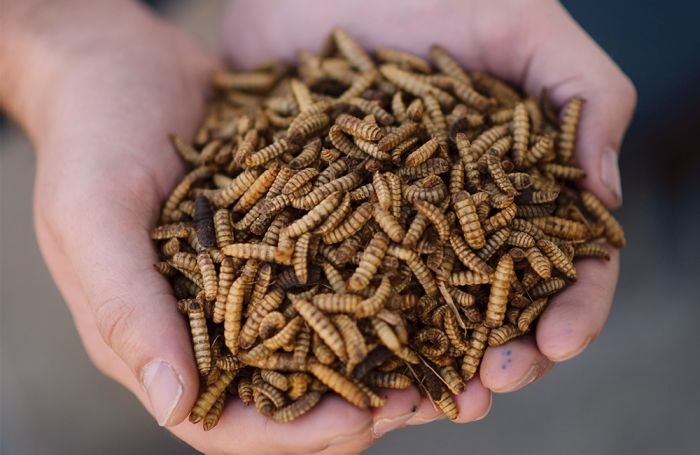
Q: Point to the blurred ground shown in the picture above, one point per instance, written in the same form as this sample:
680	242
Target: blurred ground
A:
633	391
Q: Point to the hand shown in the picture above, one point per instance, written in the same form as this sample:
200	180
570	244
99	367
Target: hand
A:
102	100
534	44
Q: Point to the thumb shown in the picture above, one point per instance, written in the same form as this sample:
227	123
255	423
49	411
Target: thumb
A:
131	304
567	62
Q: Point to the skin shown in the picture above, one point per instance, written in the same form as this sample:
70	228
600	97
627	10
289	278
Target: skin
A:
98	86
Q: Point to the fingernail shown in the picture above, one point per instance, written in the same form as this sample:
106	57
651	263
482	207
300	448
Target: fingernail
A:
383	426
164	389
530	375
575	352
422	420
610	173
488	410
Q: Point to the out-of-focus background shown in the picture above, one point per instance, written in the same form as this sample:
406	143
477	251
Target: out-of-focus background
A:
635	390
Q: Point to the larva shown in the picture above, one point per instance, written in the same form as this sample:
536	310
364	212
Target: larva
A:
371	259
200	337
498	296
323	326
569	125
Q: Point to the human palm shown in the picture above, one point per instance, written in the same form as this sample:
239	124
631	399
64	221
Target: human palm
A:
105	166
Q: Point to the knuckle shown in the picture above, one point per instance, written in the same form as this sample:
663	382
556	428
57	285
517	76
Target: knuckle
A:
114	319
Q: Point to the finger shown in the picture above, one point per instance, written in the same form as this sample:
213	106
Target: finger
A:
572	64
131	304
426	412
513	365
400	407
576	316
474	403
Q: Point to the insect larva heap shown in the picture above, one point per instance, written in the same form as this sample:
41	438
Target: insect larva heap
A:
365	221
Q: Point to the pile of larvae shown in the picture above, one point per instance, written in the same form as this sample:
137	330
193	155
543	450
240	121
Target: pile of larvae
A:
364	221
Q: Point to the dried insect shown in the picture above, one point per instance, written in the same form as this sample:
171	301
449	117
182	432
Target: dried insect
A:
340	384
569	125
503	334
498	297
371	259
200	337
323	326
613	231
466	215
560	261
208	398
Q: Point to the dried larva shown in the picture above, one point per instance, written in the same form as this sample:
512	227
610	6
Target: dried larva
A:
351	225
500	220
170	231
560	261
465	210
180	191
353	338
530	313
352	51
389	224
596	250
371	259
472	358
436	218
547	287
235	189
257	190
200	337
297	408
569	125
503	334
248	333
498	296
222	228
208	398
392	380
204	221
234	311
214	414
521	133
561	227
323	326
613	231
564	172
359	128
340	384
414	85
418	268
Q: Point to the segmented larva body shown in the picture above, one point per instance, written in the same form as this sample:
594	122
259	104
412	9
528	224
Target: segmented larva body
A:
465	209
569	125
472	358
521	133
340	384
322	325
414	85
354	340
200	337
389	224
503	334
560	260
204	222
613	231
436	217
208	271
547	287
351	225
298	408
359	128
208	398
498	296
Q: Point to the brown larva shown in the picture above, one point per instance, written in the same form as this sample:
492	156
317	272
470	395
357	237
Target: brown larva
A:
208	398
371	259
569	125
498	296
613	231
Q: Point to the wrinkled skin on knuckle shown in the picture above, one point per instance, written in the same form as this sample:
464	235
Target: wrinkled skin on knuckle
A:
114	320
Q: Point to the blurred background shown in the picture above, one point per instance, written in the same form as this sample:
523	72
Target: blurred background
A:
635	390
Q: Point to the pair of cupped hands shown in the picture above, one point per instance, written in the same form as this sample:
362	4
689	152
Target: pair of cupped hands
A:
98	86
